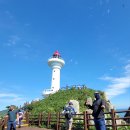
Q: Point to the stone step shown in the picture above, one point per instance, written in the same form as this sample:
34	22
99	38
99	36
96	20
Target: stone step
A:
23	120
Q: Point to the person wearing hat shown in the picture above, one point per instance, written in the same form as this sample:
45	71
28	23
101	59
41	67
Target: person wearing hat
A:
69	111
98	107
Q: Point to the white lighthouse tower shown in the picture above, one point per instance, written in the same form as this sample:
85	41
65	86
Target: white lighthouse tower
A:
56	63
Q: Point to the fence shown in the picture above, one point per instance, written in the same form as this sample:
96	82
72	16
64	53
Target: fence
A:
83	121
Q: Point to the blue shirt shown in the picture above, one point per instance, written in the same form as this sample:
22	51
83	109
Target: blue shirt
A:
12	115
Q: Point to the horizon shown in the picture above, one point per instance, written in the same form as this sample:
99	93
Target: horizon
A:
91	36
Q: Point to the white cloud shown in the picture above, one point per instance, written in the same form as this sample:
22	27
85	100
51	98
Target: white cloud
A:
72	61
127	69
8	95
13	40
118	85
27	45
7	99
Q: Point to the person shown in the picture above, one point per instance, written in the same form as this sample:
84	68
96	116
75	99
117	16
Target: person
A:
12	116
68	112
21	114
98	107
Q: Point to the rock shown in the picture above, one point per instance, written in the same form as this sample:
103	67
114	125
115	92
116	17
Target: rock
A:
75	105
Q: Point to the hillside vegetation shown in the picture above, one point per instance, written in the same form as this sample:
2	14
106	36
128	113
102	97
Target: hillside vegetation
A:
56	102
3	113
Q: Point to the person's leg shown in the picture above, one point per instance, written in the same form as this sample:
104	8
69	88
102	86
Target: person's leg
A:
102	124
66	124
8	125
20	122
96	122
14	125
70	124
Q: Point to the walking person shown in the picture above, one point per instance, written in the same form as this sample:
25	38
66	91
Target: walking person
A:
69	112
12	116
20	116
98	107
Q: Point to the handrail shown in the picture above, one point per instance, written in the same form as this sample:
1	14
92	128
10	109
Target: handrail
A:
57	119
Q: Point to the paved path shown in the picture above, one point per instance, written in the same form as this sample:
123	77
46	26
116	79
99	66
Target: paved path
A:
32	128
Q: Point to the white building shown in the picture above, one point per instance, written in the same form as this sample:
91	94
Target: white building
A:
56	63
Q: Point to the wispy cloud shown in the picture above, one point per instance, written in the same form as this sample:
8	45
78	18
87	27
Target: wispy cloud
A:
18	48
9	14
13	40
118	85
11	99
72	61
27	45
10	95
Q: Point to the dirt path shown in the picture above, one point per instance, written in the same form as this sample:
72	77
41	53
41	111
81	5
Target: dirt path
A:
32	128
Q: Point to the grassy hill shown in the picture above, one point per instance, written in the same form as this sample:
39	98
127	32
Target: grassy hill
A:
3	113
56	102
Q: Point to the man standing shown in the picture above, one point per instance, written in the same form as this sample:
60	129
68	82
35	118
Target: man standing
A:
69	112
98	107
12	118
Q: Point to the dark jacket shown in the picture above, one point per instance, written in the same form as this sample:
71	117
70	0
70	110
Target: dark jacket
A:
98	111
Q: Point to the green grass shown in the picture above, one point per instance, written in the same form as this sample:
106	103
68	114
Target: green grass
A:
56	102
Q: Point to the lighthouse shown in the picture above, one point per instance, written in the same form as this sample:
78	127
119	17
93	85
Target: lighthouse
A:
55	63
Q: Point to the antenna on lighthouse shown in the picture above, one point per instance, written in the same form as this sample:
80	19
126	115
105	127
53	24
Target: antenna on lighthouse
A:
55	63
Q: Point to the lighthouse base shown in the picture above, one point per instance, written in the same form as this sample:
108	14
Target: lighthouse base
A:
48	92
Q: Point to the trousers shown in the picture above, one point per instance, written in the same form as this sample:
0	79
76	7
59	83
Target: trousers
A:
10	124
100	124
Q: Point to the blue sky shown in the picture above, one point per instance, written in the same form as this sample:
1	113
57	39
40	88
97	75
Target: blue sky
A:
93	37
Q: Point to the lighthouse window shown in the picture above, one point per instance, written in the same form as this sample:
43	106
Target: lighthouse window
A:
54	70
53	78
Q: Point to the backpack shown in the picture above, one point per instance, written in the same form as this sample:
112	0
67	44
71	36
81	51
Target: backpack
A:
69	111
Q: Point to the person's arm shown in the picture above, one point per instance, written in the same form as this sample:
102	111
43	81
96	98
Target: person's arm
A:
17	116
87	104
103	104
90	107
63	112
74	112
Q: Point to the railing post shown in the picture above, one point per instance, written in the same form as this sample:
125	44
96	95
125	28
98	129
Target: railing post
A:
85	121
113	119
48	120
42	118
3	123
27	117
39	119
58	121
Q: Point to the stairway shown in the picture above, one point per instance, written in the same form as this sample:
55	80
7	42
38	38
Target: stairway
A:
24	123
